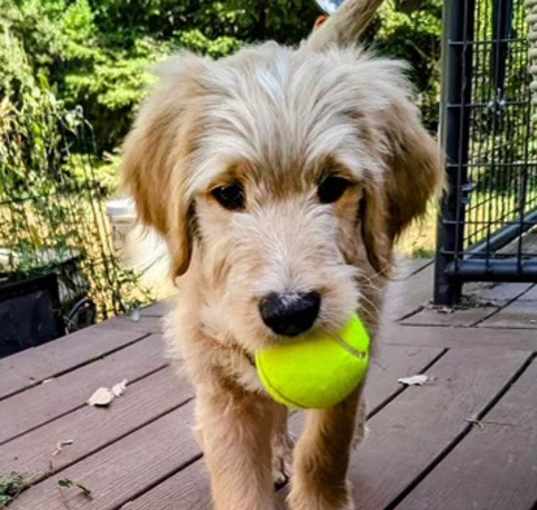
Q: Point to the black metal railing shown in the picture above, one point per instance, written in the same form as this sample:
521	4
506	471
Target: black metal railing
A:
487	229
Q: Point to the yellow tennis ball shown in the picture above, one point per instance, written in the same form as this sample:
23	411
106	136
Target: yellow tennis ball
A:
318	370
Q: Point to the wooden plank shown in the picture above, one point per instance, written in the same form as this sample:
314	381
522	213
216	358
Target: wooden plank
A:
433	336
159	309
406	267
495	293
63	394
178	492
522	313
494	467
481	301
432	316
191	487
122	470
31	452
92	428
407	296
416	427
389	364
32	366
152	324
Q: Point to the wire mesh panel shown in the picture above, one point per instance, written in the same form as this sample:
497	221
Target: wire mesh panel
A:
488	222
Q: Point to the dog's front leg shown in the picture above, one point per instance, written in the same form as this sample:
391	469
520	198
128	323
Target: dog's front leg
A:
282	447
321	458
236	429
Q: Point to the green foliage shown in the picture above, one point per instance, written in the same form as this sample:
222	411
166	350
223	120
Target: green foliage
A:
96	53
66	63
11	485
51	184
414	34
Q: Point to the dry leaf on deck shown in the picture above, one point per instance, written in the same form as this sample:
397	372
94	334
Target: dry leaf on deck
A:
60	445
101	397
119	388
414	380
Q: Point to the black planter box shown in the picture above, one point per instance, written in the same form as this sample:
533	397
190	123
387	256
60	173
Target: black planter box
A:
29	313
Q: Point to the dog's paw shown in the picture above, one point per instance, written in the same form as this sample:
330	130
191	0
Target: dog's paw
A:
282	459
310	496
317	502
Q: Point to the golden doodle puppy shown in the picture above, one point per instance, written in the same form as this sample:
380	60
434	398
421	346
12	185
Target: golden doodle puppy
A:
280	178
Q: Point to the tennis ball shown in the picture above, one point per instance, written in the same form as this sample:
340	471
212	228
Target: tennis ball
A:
318	370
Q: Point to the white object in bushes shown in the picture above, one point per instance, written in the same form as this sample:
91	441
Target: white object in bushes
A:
122	215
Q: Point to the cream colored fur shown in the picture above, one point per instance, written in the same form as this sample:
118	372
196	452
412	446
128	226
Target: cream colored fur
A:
277	120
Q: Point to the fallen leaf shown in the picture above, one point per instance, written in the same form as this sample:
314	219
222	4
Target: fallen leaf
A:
67	484
414	380
60	445
476	422
119	388
101	398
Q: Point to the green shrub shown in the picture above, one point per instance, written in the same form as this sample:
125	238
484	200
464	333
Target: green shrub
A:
96	53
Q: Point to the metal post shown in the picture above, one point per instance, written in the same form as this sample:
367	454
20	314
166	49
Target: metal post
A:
455	135
502	15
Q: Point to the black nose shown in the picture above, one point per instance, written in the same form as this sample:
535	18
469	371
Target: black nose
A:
290	314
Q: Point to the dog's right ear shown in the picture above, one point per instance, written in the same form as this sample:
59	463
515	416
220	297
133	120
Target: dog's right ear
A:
155	167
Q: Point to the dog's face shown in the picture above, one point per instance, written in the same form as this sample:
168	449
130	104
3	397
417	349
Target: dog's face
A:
280	178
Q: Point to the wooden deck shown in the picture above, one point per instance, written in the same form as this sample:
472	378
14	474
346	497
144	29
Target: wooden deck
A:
465	440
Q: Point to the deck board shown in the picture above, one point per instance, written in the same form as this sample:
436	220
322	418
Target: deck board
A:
452	318
142	402
484	300
122	470
459	338
409	433
494	467
191	486
63	394
391	363
408	295
522	313
30	367
421	453
158	310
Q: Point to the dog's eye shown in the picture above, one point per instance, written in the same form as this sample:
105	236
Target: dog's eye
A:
332	188
230	197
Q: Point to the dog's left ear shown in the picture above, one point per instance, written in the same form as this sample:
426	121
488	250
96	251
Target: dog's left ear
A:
156	154
413	161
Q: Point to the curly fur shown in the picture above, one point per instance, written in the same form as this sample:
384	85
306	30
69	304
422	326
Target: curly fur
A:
277	119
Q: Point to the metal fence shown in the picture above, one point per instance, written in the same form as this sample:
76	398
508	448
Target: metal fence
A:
488	221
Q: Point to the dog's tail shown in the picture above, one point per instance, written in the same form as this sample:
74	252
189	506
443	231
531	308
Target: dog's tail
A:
345	26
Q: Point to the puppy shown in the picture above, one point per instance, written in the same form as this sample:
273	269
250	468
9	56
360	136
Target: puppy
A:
280	178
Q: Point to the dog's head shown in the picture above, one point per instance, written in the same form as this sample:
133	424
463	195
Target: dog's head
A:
281	178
